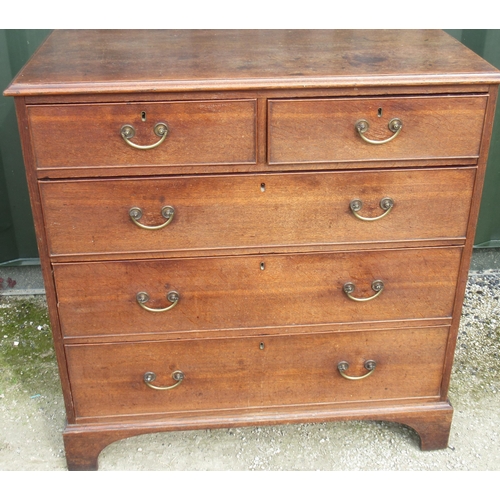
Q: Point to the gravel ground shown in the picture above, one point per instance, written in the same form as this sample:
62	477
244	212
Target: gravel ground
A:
32	412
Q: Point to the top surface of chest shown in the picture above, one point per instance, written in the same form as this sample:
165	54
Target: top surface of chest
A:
115	61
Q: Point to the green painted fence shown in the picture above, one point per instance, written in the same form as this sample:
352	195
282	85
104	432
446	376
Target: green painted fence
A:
486	43
17	236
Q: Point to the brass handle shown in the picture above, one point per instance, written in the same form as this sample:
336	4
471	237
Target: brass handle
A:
149	377
343	366
395	126
386	204
167	212
128	131
377	286
143	297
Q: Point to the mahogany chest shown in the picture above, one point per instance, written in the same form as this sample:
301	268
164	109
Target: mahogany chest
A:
253	227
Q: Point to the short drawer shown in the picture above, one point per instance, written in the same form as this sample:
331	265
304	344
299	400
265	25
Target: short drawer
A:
324	130
231	212
108	380
199	132
245	292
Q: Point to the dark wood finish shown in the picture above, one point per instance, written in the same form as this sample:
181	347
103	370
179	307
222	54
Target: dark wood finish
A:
235	293
254	211
262	94
257	107
107	379
322	130
431	421
44	255
198	132
161	170
202	169
97	61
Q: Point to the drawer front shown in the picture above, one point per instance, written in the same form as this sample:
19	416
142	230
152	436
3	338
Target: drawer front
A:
323	130
206	132
254	291
93	217
108	379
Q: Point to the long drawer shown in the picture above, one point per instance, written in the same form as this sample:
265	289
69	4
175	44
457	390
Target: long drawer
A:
199	132
244	292
324	130
223	212
108	379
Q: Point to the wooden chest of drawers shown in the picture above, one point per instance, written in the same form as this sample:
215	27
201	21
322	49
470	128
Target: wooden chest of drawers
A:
253	227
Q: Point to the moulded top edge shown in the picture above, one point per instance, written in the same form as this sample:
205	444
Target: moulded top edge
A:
248	84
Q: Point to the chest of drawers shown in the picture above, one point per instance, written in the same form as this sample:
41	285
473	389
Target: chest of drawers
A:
253	227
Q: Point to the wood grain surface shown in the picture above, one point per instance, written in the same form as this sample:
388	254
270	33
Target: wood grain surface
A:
255	291
261	161
96	61
234	213
107	380
198	133
323	130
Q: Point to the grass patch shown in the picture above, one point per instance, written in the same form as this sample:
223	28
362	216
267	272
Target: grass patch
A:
27	358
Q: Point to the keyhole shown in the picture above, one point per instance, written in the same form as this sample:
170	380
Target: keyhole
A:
263	187
262	266
379	112
261	346
143	116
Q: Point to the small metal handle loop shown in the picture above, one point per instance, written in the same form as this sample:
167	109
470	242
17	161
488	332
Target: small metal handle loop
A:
386	204
149	377
143	297
167	212
369	365
377	286
128	131
395	126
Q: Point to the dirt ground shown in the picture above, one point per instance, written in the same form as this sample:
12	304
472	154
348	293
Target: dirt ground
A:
32	412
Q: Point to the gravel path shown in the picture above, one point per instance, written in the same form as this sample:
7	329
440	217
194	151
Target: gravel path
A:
32	412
